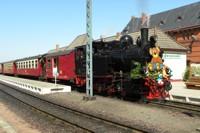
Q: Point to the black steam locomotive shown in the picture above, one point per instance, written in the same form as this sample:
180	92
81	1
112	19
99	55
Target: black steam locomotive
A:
123	68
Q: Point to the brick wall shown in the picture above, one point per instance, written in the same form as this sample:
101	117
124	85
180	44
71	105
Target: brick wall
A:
189	38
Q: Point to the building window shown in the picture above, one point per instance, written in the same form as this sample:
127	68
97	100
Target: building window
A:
162	22
179	18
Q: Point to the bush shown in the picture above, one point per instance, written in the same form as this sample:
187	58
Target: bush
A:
186	74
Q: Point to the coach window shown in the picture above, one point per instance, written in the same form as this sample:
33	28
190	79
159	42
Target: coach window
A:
32	64
36	63
49	63
27	64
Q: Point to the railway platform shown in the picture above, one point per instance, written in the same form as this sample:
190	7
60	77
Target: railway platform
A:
181	93
35	86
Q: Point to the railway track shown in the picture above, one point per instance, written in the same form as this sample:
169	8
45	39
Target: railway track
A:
87	122
187	108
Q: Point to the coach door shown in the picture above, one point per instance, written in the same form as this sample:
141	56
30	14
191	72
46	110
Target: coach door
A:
51	63
55	63
43	64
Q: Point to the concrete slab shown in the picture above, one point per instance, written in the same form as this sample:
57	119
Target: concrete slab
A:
35	86
180	92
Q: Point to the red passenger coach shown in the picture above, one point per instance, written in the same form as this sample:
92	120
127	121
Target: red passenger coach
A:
65	63
9	68
31	66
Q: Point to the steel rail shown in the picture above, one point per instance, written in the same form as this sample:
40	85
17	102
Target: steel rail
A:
84	115
183	106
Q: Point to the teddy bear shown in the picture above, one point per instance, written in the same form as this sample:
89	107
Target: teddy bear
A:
154	52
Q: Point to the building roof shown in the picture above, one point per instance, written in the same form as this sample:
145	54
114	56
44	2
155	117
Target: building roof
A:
163	40
78	41
178	18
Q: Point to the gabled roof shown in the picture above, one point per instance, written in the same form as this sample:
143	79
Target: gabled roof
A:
182	17
163	40
78	41
56	50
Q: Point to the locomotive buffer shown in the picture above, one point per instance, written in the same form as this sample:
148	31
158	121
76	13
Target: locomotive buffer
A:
89	62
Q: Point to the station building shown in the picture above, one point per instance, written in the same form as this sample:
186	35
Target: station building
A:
182	24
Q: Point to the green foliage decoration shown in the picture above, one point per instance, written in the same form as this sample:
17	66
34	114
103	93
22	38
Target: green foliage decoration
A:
136	71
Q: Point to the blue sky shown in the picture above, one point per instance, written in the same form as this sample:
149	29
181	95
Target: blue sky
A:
31	27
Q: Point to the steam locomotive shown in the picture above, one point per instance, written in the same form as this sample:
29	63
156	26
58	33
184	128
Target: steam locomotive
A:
120	67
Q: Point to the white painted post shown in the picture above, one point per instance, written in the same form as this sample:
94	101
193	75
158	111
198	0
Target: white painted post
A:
55	74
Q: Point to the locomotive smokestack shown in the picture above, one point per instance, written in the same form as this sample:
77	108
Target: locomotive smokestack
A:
144	36
144	29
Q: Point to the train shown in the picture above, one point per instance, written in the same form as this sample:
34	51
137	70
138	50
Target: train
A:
122	68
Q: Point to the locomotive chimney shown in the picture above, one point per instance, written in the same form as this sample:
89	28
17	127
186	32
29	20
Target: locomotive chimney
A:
144	29
144	35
